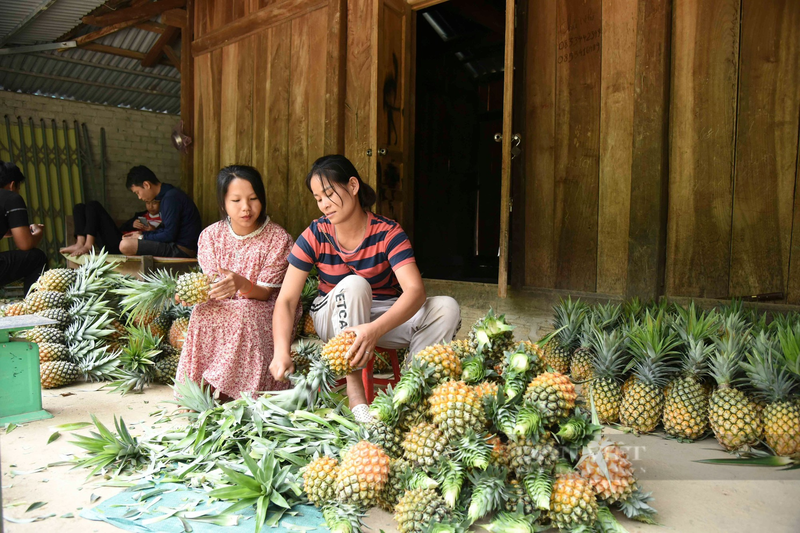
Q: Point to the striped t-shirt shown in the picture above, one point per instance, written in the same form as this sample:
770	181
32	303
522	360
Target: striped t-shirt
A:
385	249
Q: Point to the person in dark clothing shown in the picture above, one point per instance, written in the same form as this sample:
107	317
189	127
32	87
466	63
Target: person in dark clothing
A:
28	262
180	220
94	227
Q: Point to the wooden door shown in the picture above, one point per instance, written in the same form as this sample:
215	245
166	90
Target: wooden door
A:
392	153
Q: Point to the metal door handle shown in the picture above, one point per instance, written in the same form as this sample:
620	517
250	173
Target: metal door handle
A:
498	137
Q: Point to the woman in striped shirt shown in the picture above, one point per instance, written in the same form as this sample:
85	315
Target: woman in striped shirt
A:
369	280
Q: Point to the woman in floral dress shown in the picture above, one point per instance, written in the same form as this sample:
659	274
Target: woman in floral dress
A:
229	341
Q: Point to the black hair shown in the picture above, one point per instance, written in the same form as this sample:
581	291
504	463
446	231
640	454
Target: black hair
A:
243	172
10	172
339	169
138	175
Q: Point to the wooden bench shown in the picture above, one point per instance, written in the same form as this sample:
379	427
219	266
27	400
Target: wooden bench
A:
136	265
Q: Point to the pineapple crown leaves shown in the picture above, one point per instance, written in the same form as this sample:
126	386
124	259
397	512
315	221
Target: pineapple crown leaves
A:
539	486
473	368
607	522
729	351
196	397
518	360
153	293
488	492
472	450
90	328
528	423
95	362
692	324
106	448
609	354
569	319
767	373
382	407
342	517
130	380
141	350
415	383
608	315
789	340
489	327
307	389
517	522
450	474
514	383
91	305
696	357
632	309
637	507
653	348
578	431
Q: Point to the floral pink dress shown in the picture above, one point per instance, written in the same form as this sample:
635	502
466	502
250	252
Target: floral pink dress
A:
229	342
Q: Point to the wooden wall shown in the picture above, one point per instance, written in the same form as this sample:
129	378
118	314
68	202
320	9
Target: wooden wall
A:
661	147
267	94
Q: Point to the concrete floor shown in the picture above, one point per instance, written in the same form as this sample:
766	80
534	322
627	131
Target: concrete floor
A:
690	497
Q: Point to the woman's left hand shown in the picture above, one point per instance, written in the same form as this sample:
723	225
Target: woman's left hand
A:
227	286
363	348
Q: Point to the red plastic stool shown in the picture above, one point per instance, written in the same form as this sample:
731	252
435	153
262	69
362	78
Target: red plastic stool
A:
370	380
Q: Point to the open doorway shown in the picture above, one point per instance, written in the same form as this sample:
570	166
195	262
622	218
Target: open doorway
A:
457	162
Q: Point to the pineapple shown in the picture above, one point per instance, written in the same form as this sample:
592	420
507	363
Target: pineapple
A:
193	288
57	374
319	480
160	326
652	348
499	455
301	357
528	455
387	437
455	408
177	332
310	291
138	361
363	472
418	509
396	486
608	365
95	362
731	414
572	503
443	359
776	385
553	394
486	388
608	316
488	492
49	351
423	444
413	414
686	405
166	365
307	326
16	309
41	334
535	355
41	300
518	499
580	366
59	315
145	318
335	353
57	279
493	336
120	331
569	319
462	348
607	468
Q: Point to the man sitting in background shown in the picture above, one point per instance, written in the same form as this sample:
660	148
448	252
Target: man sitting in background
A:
180	220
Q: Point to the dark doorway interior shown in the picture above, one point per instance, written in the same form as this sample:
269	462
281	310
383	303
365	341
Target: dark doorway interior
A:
459	108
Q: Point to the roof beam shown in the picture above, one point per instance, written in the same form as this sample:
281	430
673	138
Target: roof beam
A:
105	49
108	7
33	15
62	58
175	17
154	54
155	27
108	30
147	11
91	83
173	57
36	48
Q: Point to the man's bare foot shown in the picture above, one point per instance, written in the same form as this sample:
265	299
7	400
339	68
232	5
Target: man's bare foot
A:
69	249
83	250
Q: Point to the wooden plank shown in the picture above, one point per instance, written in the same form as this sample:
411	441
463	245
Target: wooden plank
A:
539	139
649	165
108	30
230	95
261	114
268	17
149	25
244	101
187	99
147	11
766	147
298	123
422	4
793	291
358	88
154	54
317	102
508	116
279	57
208	75
173	58
178	18
335	77
618	58
410	127
705	59
577	143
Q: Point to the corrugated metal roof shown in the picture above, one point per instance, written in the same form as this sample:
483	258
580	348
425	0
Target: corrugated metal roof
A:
125	84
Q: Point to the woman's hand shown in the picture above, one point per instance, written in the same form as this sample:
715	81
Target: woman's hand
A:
281	366
227	286
144	227
363	348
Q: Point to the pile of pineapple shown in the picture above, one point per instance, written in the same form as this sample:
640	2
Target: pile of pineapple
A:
725	370
109	327
477	429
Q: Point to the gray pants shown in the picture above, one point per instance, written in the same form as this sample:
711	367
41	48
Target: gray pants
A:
350	304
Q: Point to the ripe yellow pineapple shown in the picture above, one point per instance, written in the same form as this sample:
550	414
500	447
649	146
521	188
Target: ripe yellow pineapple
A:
41	300
177	332
455	408
486	388
193	288
41	334
443	359
335	353
499	452
16	309
608	366
145	318
554	395
418	509
57	374
363	472
462	348
423	444
569	319
613	482
57	279
50	351
572	503
319	480
307	326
